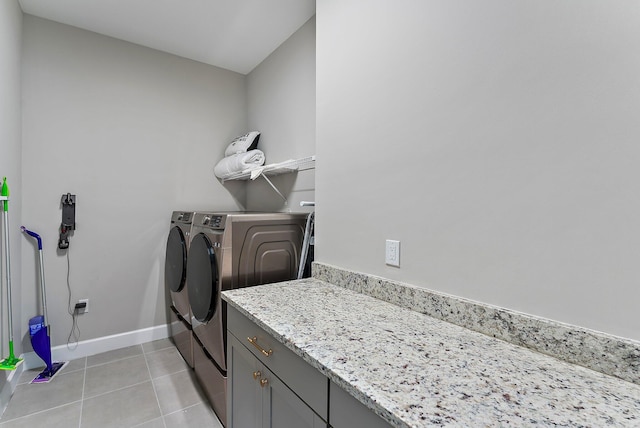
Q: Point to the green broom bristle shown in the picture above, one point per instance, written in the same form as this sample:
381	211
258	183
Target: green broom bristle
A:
11	362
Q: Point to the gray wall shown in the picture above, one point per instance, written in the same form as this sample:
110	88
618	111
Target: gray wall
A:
497	140
10	159
281	95
134	133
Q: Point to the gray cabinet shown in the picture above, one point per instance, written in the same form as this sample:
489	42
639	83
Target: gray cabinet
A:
244	393
262	378
271	387
347	412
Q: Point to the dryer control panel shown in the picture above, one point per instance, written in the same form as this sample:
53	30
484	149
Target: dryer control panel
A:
213	221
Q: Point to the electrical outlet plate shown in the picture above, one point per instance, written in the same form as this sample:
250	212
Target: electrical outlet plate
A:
86	308
392	253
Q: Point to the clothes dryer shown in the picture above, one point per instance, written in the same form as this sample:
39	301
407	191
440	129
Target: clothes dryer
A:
175	279
227	251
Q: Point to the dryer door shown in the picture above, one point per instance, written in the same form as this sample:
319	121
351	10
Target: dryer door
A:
175	266
202	269
207	309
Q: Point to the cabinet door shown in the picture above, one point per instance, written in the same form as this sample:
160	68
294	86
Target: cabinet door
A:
258	399
284	409
307	382
243	388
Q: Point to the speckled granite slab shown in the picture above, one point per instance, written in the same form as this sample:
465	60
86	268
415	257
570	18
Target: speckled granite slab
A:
607	354
417	371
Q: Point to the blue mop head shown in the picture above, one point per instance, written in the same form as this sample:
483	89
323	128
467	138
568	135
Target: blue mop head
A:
47	374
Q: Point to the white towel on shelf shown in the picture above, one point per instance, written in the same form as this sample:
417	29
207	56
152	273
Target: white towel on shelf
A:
243	143
240	162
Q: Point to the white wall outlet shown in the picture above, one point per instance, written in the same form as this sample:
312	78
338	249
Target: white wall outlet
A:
392	253
85	309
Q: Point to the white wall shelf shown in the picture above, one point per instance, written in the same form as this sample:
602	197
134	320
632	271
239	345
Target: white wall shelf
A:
285	167
265	171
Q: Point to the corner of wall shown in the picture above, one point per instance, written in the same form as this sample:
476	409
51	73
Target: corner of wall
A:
10	162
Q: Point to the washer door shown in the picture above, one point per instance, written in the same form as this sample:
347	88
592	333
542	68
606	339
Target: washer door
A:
175	265
202	269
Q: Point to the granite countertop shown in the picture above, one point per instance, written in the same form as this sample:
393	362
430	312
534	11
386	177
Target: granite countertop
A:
416	371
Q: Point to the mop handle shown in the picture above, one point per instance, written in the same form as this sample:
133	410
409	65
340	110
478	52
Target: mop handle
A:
4	191
35	235
43	291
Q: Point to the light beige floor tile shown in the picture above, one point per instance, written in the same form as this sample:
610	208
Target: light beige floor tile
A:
28	375
116	375
77	364
116	354
157	345
156	423
178	391
64	416
122	408
199	415
29	398
165	361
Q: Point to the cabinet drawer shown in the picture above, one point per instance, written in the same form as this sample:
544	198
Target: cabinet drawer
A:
308	383
347	412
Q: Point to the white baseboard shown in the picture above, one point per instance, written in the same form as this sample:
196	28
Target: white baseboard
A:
9	386
89	347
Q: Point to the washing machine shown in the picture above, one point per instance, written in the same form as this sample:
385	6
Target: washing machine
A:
227	251
175	279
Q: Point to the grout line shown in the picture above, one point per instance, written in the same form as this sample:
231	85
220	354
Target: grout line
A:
206	405
153	385
117	389
146	422
4	422
151	379
170	374
38	370
83	394
189	407
158	350
113	361
84	381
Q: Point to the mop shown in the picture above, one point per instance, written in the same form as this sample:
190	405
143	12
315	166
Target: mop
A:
39	329
11	362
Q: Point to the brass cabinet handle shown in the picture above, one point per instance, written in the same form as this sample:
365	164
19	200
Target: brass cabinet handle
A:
263	383
254	341
257	374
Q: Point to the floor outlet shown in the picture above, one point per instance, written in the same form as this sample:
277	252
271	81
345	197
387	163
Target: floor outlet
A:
392	253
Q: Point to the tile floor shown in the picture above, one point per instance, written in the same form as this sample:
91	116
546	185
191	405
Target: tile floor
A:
146	386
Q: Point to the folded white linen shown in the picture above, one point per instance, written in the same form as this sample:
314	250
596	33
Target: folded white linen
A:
240	162
243	143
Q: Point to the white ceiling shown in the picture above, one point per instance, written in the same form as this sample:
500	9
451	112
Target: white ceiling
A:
232	34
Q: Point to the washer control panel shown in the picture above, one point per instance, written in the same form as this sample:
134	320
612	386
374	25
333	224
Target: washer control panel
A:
181	217
213	221
186	217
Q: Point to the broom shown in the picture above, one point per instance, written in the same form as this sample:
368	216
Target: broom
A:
11	362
